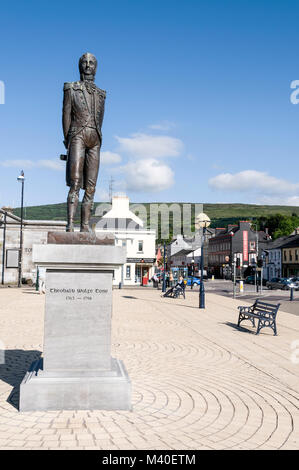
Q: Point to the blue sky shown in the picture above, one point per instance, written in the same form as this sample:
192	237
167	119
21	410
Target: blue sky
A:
198	98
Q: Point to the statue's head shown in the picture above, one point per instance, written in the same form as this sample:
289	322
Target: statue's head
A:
87	66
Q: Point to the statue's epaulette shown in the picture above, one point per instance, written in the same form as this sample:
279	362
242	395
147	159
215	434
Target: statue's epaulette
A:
101	92
69	85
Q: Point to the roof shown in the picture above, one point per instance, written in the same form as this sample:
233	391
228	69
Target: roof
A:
232	228
291	243
182	252
108	223
275	244
287	241
120	210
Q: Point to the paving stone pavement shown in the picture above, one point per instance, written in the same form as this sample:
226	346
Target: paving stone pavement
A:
198	381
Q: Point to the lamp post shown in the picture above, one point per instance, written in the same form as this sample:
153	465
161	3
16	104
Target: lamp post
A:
257	255
3	247
164	268
192	269
202	222
21	178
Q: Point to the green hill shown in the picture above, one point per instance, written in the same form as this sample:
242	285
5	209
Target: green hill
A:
220	214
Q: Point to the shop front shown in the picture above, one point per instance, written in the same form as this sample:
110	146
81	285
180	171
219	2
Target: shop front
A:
143	269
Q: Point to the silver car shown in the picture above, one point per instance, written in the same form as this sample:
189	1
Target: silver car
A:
283	283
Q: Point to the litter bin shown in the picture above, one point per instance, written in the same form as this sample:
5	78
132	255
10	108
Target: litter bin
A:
144	281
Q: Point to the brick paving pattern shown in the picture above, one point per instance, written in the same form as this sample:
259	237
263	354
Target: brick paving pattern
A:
198	381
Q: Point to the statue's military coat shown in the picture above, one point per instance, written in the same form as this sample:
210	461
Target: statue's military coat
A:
77	115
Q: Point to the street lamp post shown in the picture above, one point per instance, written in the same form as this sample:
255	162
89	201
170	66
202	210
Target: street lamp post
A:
192	270
257	255
203	222
164	268
3	247
21	178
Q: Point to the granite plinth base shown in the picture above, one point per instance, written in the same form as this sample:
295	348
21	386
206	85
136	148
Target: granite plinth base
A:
66	390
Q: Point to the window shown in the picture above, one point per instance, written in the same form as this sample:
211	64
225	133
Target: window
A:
285	255
296	255
140	246
137	274
128	272
290	256
252	245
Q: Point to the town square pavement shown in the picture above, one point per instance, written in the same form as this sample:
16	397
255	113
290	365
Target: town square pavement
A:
198	381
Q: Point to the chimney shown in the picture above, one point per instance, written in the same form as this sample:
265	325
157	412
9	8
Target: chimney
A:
244	225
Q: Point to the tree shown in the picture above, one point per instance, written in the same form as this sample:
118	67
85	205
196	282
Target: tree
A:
279	225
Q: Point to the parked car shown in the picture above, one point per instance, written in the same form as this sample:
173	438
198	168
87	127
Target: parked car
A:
251	280
283	283
274	283
293	279
193	281
294	282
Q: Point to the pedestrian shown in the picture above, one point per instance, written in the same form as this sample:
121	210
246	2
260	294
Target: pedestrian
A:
155	280
170	279
179	286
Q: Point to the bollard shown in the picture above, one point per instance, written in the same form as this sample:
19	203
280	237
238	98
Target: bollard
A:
213	278
37	280
119	285
292	293
241	286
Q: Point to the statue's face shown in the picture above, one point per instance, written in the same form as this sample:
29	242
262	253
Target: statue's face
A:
88	66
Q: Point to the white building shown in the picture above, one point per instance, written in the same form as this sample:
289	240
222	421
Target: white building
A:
185	253
129	232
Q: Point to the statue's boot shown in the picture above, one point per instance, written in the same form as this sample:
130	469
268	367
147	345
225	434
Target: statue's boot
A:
85	216
71	212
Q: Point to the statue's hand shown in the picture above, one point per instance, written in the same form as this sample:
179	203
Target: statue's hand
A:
65	143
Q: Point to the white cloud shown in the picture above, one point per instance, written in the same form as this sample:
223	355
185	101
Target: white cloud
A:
27	164
254	181
279	201
293	201
51	164
17	164
102	195
162	126
148	175
150	146
109	158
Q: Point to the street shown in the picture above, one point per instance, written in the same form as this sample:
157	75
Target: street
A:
199	381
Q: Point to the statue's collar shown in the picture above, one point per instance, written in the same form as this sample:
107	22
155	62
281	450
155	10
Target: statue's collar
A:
89	86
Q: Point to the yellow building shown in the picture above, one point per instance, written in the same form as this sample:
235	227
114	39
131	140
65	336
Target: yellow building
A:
290	258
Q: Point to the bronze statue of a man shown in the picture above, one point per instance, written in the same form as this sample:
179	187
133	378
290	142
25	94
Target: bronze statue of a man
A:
83	112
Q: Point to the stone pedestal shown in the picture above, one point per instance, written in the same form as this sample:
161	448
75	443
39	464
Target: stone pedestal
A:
77	370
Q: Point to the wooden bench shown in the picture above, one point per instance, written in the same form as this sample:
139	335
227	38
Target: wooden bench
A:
264	312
